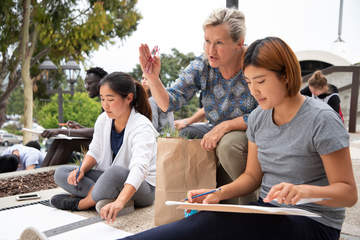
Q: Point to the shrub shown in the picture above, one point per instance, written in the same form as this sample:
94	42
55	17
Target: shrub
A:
79	108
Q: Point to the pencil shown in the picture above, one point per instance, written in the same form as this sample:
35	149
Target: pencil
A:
62	124
78	171
202	194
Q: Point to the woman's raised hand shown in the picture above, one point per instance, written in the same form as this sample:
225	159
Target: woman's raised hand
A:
150	65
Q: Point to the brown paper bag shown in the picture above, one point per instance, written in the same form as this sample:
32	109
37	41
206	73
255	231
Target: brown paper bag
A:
181	165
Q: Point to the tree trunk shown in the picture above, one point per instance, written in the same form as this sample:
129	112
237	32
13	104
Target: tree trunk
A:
28	98
25	71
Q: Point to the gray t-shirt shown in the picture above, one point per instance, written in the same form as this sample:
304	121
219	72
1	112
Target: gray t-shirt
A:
161	120
291	152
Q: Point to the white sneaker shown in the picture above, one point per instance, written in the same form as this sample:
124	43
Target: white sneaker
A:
32	233
129	207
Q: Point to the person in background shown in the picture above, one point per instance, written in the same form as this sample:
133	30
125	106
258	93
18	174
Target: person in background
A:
61	150
8	163
225	96
120	166
188	126
28	157
162	121
34	144
319	88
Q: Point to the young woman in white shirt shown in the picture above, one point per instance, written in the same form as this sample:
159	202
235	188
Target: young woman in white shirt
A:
120	164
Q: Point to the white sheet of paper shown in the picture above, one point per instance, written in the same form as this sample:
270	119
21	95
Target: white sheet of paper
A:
63	136
43	218
242	208
37	132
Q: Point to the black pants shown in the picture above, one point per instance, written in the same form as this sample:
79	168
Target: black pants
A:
221	225
60	151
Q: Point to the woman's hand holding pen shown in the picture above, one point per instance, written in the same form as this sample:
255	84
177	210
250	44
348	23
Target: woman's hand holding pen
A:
75	177
73	125
212	198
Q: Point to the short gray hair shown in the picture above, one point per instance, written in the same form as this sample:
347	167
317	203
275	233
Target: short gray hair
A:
233	17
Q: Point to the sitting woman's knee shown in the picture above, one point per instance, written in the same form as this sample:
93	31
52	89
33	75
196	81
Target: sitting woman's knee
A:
61	175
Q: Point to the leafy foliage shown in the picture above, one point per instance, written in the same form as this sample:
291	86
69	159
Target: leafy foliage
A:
16	102
79	108
59	29
171	66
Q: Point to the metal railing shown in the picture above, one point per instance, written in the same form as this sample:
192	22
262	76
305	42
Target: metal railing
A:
354	86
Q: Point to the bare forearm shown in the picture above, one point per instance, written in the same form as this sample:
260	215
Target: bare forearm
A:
197	117
126	194
30	167
81	132
243	185
235	124
159	93
88	163
339	194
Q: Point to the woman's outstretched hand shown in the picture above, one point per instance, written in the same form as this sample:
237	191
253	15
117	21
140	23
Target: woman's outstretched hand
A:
150	65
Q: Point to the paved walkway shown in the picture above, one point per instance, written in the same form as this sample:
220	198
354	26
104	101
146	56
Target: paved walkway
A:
142	219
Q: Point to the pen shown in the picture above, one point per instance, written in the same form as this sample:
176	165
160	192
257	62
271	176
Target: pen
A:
78	171
152	55
205	193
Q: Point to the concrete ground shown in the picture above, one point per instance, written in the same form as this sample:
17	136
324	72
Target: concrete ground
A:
142	219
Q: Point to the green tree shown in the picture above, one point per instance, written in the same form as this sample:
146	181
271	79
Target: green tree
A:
79	108
16	102
59	29
171	66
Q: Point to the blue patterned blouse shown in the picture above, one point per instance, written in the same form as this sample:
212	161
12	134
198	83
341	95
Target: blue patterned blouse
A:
222	99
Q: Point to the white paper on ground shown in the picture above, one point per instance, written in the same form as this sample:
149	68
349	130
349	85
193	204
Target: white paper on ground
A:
43	218
242	208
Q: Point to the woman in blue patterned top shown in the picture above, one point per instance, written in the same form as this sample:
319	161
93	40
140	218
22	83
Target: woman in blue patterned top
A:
218	75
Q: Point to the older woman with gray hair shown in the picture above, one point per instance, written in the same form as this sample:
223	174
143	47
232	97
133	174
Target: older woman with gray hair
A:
218	75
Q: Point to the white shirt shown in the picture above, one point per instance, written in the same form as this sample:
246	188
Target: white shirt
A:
137	153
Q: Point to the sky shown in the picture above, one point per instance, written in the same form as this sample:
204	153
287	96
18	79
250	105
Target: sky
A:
303	24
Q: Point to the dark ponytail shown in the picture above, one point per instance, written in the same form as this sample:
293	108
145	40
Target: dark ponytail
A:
141	103
123	84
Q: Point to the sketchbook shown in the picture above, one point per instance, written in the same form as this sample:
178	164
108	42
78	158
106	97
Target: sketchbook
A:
242	209
59	136
33	131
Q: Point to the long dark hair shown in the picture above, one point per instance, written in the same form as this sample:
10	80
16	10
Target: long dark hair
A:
123	84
